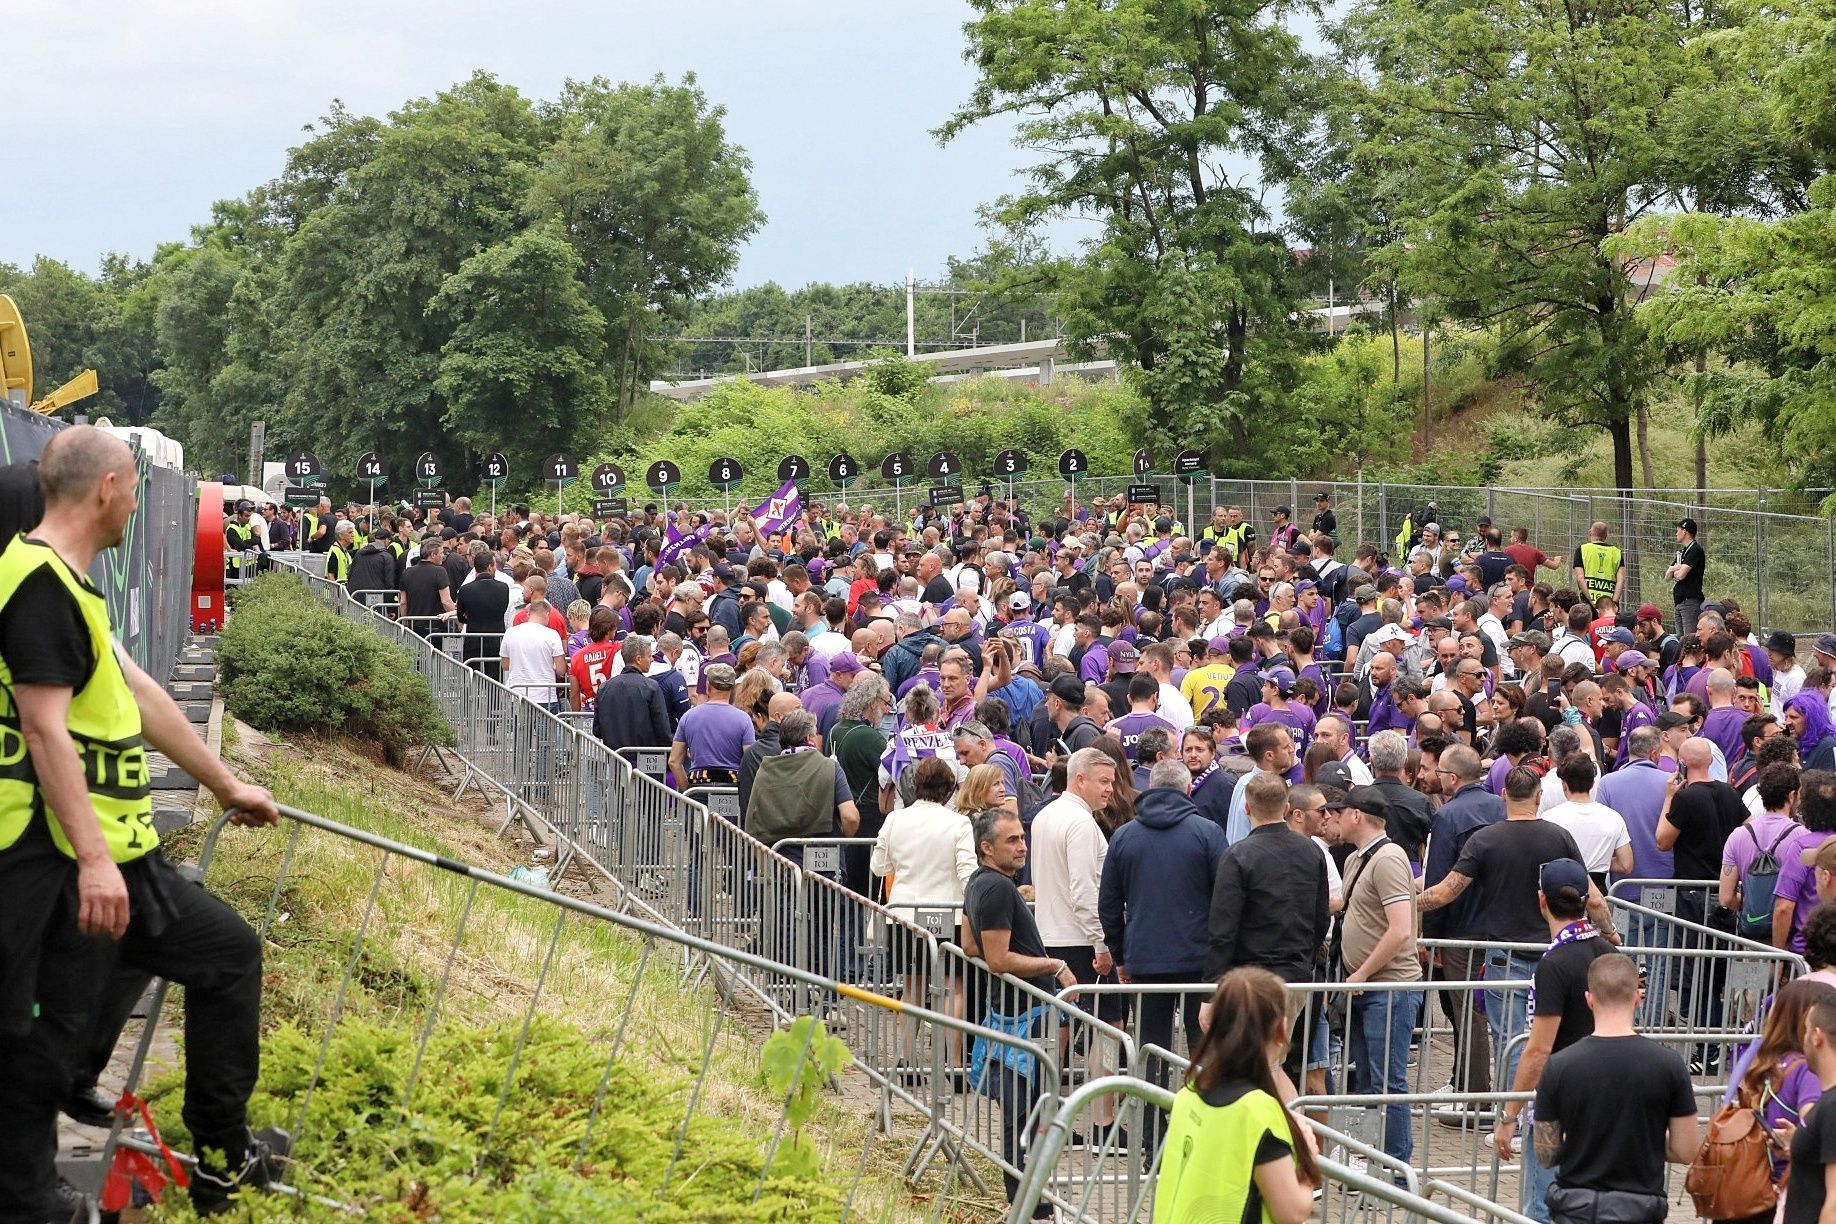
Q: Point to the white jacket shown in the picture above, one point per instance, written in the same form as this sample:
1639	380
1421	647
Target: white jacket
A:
929	851
1068	853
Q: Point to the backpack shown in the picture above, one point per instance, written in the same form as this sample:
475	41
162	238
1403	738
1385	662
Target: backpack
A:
1757	886
1731	1176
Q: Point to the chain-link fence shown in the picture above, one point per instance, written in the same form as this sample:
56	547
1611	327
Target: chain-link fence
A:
1777	565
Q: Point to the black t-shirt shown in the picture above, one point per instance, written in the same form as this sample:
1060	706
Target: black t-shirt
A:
992	902
482	603
1690	587
42	635
1561	988
1813	1147
421	587
937	590
1326	523
1492	566
458	566
1705	813
1614	1098
462	521
1503	861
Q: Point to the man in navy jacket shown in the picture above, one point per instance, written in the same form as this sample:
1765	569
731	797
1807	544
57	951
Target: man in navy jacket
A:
1155	900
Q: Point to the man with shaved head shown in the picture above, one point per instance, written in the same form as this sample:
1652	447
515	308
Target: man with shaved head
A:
83	888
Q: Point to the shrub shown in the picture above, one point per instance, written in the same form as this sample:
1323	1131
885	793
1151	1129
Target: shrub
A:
286	664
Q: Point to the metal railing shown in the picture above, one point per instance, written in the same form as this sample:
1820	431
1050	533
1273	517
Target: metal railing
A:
650	1001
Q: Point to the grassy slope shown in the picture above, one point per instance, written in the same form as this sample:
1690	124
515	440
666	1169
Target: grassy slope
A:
592	995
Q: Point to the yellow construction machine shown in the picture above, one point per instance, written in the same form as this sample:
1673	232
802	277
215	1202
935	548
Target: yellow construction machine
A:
16	368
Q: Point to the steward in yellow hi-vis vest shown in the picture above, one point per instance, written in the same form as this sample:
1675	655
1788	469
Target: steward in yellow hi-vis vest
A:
104	722
1597	565
89	906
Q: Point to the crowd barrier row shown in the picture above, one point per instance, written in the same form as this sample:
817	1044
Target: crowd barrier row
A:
809	936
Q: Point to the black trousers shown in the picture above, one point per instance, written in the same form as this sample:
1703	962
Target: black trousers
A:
68	991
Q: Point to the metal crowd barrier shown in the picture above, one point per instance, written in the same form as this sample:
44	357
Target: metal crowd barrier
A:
441	927
1075	1177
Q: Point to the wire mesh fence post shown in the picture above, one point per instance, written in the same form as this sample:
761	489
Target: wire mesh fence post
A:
1829	562
1383	512
1759	565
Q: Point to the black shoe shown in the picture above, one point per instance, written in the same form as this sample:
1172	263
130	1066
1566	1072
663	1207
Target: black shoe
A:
264	1163
88	1107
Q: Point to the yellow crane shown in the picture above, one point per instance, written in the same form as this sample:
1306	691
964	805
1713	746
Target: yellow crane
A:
16	367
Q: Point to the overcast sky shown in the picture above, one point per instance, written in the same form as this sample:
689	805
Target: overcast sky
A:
128	119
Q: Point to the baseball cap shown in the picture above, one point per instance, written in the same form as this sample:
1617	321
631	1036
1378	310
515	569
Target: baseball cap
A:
1670	720
1825	645
1020	601
844	661
725	573
1322	496
1282	678
1620	634
1386	634
1068	689
1333	775
720	675
1456	585
1630	659
1687	524
1219	644
1530	637
1284	511
1649	612
1366	593
1305	585
1438	622
1558	874
1369	800
1484	520
1163	523
1124	656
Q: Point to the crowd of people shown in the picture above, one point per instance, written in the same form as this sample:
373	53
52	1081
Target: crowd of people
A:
1131	751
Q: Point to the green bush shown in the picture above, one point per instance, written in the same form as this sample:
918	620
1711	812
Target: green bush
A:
286	664
432	1160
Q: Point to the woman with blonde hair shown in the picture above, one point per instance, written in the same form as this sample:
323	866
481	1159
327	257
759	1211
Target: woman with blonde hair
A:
983	787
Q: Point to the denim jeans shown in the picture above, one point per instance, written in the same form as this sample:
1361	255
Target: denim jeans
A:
1510	1016
1652	931
1508	1011
1535	1181
1382	1023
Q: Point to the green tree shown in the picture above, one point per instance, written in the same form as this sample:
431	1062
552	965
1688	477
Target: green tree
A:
1513	139
655	201
1137	108
523	361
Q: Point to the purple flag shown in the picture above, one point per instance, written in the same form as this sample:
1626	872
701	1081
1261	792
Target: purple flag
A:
675	543
779	510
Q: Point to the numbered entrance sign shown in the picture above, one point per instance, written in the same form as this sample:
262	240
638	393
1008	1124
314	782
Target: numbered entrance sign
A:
843	470
1073	465
662	476
725	472
793	467
608	478
496	469
427	469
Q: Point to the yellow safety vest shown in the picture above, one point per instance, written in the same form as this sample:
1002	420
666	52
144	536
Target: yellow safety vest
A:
1230	537
103	720
238	537
1600	564
309	527
337	564
1208	1159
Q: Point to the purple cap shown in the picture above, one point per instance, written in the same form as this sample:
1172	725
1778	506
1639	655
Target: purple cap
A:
1629	659
1457	585
1124	656
1281	677
1221	644
844	661
1305	584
